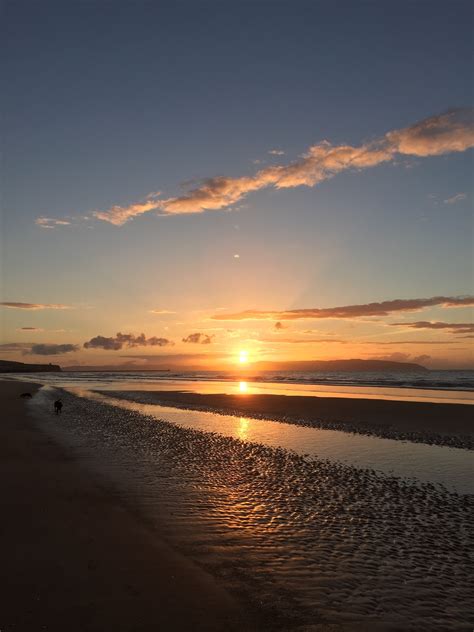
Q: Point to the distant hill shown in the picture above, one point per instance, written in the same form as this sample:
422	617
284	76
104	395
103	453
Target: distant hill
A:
359	366
370	366
7	366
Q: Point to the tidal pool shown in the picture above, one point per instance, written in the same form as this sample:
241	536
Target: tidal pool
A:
451	467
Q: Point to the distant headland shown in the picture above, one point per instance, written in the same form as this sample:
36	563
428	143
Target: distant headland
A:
354	366
7	366
342	365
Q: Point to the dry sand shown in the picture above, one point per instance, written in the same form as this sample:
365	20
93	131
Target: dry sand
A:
424	422
74	558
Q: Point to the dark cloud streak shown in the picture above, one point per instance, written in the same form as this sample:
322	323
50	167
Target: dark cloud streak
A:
454	328
14	305
125	340
52	349
385	308
198	338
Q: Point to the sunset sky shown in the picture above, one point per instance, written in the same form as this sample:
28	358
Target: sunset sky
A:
187	182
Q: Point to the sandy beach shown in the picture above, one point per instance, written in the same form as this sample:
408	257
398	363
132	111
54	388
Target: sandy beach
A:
424	422
259	537
74	557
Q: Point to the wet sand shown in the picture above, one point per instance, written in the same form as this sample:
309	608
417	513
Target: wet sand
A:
423	422
311	545
75	557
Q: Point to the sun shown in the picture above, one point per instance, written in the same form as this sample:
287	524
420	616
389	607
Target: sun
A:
243	357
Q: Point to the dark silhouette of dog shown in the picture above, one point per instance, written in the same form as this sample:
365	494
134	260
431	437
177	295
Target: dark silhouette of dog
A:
26	395
58	406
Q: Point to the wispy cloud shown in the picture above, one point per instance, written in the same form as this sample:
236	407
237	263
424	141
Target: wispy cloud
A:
351	311
459	197
161	312
451	131
15	347
118	215
29	329
44	349
52	349
454	328
126	340
199	338
295	340
50	222
276	152
406	342
13	305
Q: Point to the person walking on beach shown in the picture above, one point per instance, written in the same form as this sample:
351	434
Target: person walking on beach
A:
58	406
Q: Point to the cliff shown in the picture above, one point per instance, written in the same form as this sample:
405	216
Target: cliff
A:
7	366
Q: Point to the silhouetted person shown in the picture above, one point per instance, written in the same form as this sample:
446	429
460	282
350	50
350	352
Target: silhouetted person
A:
58	406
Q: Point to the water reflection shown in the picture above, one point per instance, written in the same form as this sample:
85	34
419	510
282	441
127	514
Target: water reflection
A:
428	463
242	430
295	536
243	387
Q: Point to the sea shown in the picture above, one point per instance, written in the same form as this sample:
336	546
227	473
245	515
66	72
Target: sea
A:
434	386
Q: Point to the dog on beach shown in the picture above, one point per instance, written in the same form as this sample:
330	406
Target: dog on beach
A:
26	395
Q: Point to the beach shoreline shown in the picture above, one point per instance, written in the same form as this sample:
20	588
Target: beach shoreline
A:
75	557
421	422
308	544
213	533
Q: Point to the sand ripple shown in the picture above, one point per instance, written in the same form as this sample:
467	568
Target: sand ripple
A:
306	542
464	441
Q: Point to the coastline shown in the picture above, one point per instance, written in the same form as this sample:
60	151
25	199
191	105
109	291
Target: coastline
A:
421	422
308	545
75	557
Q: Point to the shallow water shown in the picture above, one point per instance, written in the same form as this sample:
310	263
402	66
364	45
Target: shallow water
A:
457	391
450	467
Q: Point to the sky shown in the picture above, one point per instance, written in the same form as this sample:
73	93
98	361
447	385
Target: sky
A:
218	183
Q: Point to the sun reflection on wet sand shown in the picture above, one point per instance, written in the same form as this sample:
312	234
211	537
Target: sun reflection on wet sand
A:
292	535
433	464
243	428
